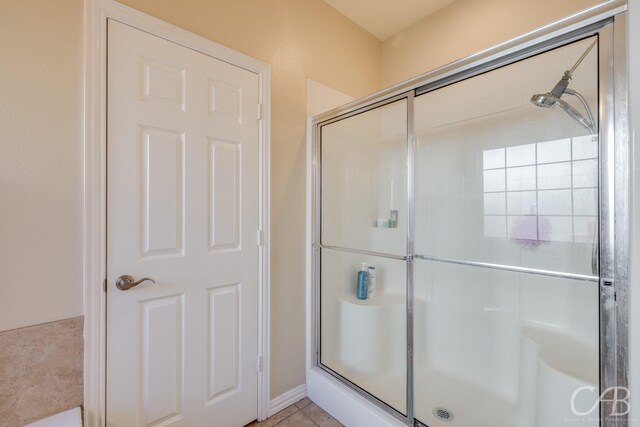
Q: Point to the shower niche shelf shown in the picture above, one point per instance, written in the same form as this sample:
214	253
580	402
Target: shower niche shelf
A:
381	299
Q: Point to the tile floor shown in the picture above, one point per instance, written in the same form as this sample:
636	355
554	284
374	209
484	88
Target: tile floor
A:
303	413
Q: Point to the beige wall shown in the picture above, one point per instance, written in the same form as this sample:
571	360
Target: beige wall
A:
40	161
465	27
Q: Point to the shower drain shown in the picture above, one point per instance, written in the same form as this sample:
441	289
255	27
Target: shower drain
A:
443	414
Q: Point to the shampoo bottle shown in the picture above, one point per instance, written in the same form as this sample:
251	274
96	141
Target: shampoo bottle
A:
362	289
372	281
393	218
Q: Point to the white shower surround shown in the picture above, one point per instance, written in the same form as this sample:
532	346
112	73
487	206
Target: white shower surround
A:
499	337
540	350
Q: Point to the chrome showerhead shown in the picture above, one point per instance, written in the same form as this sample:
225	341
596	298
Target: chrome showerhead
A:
544	100
553	98
547	100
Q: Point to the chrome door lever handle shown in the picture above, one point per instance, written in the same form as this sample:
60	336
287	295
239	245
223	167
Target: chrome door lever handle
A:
127	282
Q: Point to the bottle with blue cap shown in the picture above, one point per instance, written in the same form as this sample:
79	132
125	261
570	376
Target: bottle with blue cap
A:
362	288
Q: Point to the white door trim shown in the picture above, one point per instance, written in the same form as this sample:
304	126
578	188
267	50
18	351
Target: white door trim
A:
96	13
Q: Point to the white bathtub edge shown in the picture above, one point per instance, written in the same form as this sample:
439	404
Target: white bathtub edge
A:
69	418
344	405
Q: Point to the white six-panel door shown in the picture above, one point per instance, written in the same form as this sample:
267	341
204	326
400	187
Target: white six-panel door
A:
182	209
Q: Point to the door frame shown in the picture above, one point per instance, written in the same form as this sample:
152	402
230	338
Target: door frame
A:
96	14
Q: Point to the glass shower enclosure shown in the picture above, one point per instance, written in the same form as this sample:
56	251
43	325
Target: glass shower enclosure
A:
462	242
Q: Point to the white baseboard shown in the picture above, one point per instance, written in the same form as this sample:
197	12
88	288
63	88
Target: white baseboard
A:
287	399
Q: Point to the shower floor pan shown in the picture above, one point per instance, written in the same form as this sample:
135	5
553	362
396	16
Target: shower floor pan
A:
542	397
547	381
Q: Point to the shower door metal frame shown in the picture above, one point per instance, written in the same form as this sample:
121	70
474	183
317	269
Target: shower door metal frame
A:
607	21
316	175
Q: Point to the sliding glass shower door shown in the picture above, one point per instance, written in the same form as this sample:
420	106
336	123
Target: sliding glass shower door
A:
363	220
457	245
506	290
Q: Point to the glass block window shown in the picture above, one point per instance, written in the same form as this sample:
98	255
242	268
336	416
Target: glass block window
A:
542	192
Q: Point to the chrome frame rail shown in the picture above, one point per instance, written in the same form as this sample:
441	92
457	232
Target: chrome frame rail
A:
364	108
411	149
622	205
360	251
606	176
608	21
316	176
519	55
515	269
614	213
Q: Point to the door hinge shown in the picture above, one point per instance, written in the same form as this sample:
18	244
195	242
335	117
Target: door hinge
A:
259	112
259	364
260	238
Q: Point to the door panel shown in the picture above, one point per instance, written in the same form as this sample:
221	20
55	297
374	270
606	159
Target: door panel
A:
364	176
182	197
163	198
224	344
502	181
225	195
364	341
364	220
162	354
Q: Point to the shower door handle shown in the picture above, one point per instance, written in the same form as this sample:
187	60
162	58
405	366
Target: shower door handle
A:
127	282
595	255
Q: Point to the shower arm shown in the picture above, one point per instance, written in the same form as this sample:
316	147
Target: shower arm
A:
567	76
569	73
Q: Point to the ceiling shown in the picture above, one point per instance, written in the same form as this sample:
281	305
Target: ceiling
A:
384	18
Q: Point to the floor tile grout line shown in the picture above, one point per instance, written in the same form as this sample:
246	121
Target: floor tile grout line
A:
309	418
286	418
297	409
293	413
